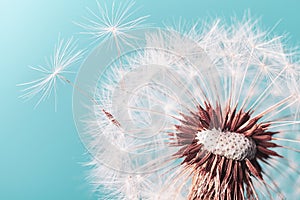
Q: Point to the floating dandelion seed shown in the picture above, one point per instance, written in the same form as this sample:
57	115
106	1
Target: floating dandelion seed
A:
116	22
65	55
201	115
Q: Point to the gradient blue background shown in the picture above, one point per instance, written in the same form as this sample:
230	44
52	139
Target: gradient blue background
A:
40	152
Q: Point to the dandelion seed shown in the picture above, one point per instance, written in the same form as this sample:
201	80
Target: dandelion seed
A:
113	23
65	55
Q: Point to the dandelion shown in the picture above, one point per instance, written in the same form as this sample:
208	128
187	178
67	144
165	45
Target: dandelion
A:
199	111
200	116
65	55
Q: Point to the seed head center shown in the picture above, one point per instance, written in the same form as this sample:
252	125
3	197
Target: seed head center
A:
231	145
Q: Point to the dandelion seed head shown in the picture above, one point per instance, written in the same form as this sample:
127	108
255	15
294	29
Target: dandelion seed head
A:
204	114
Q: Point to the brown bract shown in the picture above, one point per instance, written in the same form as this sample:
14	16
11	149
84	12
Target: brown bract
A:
215	176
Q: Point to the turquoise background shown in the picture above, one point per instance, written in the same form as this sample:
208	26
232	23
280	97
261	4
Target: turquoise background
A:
41	155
